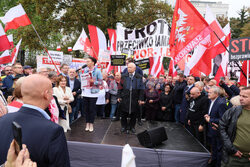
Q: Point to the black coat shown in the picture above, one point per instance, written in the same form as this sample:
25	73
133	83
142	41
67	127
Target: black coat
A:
178	91
124	92
45	140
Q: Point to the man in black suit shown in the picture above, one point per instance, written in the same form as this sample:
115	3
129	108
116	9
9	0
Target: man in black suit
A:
217	108
130	95
75	86
44	139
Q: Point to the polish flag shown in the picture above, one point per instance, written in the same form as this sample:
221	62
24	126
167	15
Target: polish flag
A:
10	38
15	17
4	42
15	52
208	48
5	57
171	69
156	66
84	44
222	71
58	48
70	49
98	40
188	29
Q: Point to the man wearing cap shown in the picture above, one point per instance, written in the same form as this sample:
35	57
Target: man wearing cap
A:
27	70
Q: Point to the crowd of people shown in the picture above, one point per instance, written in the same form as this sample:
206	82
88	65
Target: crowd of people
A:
216	114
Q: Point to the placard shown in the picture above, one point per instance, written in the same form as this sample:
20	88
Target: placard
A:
84	80
118	60
56	56
143	64
239	49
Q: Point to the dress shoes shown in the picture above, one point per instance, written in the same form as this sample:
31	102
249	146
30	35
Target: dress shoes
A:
139	123
133	130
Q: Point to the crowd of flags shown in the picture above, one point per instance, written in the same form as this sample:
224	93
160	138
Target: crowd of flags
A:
190	32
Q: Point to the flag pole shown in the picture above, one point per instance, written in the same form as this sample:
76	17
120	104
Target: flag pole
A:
45	49
247	72
229	53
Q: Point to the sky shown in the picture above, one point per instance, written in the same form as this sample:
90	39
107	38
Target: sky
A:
235	6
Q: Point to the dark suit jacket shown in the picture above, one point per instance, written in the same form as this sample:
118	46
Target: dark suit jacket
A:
77	89
217	111
45	140
8	81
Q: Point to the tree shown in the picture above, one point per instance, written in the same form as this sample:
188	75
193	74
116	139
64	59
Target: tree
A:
222	20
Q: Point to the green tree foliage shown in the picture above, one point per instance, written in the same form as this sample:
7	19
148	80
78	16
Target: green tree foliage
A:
223	21
237	24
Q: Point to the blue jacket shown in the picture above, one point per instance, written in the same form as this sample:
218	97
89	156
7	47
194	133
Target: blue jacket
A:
216	113
45	140
97	76
137	70
8	81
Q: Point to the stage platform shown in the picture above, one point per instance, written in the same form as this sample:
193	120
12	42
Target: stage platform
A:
108	132
104	145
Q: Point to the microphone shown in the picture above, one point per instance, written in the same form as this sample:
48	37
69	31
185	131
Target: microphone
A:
84	66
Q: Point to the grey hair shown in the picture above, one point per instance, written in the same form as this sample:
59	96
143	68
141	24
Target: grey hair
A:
216	90
200	83
52	74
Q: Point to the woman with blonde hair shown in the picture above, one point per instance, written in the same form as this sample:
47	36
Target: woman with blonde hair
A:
64	97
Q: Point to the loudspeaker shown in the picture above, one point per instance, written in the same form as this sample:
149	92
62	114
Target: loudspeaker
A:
152	137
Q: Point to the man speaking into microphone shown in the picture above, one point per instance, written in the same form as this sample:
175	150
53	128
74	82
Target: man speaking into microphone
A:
130	95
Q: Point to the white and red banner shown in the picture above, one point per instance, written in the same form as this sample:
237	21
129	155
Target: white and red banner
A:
98	40
10	38
172	70
15	52
15	18
5	57
151	42
188	29
4	41
84	44
56	55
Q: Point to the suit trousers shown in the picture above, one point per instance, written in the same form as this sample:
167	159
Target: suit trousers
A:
132	121
90	108
194	128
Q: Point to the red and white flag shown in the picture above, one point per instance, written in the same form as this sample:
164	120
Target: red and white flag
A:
4	42
222	71
156	66
69	49
5	57
98	40
10	38
58	48
15	18
84	44
171	69
14	106
15	52
188	29
112	51
208	48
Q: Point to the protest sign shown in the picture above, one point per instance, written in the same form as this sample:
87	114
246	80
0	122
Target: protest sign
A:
56	56
118	60
239	49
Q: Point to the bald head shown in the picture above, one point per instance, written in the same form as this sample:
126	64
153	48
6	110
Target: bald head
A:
37	90
195	92
131	67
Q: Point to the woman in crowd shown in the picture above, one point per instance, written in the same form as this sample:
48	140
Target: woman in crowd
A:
16	100
91	91
166	104
152	98
113	90
102	99
64	96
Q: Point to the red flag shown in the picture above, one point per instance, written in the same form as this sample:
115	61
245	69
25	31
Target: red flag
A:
243	80
15	18
188	29
4	42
